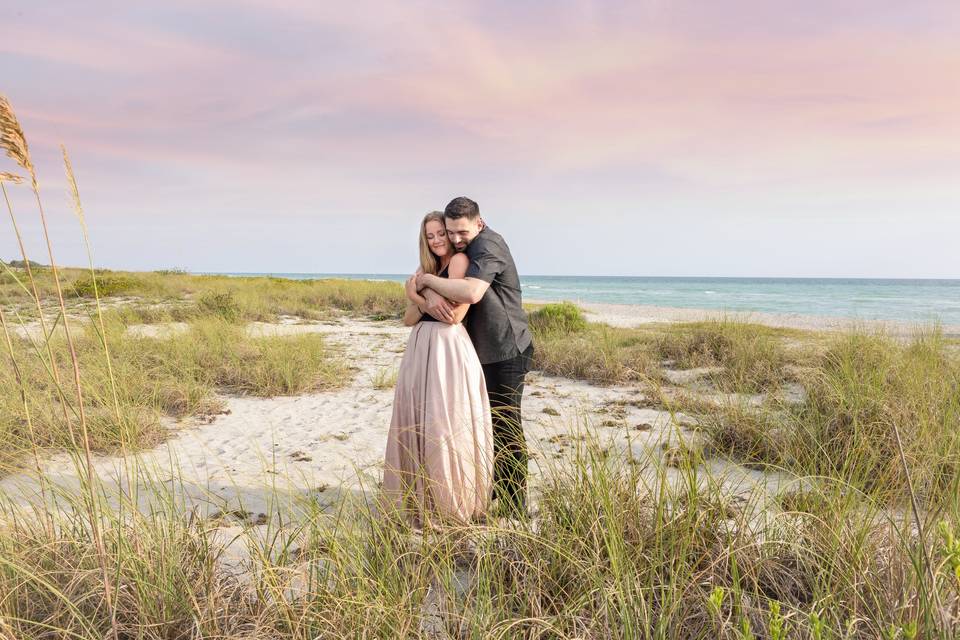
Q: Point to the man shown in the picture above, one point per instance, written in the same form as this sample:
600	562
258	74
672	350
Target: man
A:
497	324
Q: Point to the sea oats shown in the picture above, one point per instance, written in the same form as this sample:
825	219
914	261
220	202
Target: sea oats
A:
10	177
12	140
72	183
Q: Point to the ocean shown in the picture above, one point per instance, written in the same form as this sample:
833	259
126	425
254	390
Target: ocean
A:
921	301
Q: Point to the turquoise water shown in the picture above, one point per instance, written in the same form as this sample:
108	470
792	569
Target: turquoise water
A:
904	300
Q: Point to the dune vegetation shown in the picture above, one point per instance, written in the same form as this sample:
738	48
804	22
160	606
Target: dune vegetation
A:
162	296
863	541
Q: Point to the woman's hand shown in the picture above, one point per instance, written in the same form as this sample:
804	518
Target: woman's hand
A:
411	288
423	280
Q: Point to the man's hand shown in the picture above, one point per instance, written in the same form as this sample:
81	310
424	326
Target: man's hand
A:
438	306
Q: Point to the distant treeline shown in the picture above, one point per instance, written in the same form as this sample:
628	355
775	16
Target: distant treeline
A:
20	264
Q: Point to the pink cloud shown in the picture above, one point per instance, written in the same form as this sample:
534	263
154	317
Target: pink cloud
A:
435	85
106	44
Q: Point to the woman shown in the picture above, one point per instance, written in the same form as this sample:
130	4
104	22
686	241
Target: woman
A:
439	459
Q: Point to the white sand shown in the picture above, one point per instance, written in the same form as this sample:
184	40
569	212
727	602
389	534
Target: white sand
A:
265	455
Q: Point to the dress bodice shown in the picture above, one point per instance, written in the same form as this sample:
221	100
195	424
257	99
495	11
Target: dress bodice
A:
427	317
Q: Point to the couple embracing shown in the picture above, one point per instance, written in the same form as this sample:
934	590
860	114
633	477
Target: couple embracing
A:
456	446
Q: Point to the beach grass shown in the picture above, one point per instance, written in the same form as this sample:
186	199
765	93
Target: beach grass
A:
622	547
871	397
160	296
748	358
880	413
598	353
177	376
385	378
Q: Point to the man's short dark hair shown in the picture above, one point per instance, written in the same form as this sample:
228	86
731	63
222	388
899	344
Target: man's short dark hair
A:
462	207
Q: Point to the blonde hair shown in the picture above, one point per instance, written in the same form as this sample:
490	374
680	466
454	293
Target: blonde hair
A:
428	261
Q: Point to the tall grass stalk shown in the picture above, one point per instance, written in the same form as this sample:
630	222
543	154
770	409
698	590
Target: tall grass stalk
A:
35	293
41	481
78	210
15	144
918	521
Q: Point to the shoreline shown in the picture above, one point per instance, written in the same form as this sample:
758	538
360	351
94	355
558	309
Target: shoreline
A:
634	315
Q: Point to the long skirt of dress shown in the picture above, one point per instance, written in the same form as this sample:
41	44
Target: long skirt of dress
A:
439	458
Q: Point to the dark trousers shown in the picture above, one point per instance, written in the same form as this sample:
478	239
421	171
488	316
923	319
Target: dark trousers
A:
505	388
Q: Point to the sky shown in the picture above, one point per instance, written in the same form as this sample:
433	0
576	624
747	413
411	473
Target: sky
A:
743	138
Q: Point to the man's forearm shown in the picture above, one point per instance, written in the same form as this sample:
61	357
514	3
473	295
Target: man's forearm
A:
456	290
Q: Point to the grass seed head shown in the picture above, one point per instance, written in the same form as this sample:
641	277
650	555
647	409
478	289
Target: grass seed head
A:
12	140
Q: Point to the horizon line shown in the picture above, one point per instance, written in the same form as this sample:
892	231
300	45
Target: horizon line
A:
555	275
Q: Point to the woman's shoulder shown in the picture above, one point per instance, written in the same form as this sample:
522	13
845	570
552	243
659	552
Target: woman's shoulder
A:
458	265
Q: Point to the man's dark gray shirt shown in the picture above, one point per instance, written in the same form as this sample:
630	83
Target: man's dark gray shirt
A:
497	324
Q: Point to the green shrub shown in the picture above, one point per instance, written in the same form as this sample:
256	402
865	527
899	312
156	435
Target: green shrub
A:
106	285
221	305
563	317
9	278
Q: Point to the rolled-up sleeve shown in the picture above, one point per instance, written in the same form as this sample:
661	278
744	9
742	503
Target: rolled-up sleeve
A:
486	266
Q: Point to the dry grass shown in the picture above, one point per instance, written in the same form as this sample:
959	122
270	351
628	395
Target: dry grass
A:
750	357
254	298
12	140
599	354
867	384
860	391
177	376
617	551
385	378
856	387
